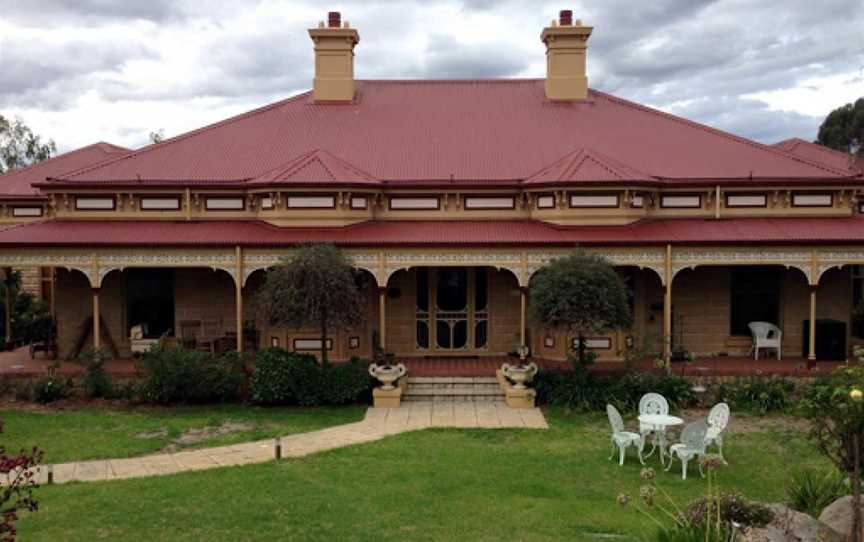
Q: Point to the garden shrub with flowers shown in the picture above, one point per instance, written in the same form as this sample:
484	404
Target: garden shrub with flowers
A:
714	517
835	406
17	475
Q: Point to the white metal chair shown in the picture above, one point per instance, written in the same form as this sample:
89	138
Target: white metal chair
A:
692	445
718	419
653	403
766	335
622	439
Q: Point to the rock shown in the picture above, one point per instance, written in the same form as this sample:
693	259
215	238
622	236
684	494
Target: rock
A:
792	526
838	515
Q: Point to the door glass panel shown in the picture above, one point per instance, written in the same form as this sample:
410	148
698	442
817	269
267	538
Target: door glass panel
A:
422	334
452	292
442	329
423	289
481	294
481	329
460	334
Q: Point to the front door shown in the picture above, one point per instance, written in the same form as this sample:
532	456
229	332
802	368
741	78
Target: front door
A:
452	312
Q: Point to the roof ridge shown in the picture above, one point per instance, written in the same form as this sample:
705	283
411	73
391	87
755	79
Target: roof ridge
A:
191	133
717	132
66	154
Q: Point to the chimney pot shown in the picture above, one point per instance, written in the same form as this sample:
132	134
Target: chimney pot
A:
566	17
334	19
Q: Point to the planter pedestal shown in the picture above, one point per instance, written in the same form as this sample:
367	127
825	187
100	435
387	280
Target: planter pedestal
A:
382	398
516	397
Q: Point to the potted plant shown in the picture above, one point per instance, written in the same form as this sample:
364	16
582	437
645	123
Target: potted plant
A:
521	373
382	367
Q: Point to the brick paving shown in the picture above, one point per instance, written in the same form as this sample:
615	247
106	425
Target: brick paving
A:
377	424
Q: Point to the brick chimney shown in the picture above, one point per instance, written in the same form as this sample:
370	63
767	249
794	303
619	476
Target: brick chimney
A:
334	59
566	44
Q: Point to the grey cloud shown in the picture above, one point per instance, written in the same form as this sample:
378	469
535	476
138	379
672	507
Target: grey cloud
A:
447	58
52	12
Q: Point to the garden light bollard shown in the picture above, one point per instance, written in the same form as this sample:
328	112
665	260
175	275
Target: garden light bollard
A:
277	448
50	474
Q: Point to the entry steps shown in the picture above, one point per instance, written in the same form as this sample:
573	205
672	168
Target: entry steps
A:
452	389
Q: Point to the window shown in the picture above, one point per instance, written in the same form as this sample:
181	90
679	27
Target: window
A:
94	203
754	297
26	211
805	199
596	201
414	204
267	202
478	202
311	202
546	201
359	202
693	201
160	203
225	204
746	200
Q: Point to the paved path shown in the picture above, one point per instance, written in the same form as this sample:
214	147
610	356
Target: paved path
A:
377	424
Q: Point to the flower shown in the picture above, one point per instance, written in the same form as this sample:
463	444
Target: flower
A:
623	499
856	394
712	461
647	473
647	494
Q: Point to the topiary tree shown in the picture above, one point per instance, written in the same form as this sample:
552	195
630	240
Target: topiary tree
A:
580	294
835	406
316	287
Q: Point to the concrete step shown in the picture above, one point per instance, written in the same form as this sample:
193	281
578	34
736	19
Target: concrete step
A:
452	389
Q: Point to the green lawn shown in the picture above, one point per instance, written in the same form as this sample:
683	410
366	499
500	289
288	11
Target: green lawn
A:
92	433
428	485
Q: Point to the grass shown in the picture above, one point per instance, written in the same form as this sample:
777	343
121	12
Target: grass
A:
442	484
98	433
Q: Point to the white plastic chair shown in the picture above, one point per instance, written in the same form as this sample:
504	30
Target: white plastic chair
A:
622	439
653	403
766	335
718	419
692	445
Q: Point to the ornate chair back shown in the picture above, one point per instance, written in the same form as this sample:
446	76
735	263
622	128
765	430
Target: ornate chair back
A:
693	435
653	403
718	419
615	419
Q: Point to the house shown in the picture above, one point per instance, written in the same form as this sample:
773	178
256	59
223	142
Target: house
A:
451	194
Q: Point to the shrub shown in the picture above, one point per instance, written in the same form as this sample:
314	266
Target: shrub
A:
51	388
281	378
174	374
95	382
759	395
810	491
581	390
733	508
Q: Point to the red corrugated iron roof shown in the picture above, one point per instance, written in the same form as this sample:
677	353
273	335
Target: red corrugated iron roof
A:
435	233
315	167
820	153
490	130
586	165
18	183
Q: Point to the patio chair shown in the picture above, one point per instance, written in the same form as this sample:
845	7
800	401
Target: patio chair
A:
766	335
718	419
622	439
211	333
692	445
653	403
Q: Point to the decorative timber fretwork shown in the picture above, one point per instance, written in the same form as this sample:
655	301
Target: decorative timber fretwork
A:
382	263
797	258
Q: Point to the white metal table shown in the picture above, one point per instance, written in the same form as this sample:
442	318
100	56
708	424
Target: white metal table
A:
660	422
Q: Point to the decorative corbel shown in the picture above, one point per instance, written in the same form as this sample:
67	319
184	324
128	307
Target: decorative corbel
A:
131	199
346	201
252	198
66	201
787	198
197	199
458	200
709	198
445	201
561	196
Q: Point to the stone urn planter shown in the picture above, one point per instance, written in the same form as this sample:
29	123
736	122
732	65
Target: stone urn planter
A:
387	374
519	374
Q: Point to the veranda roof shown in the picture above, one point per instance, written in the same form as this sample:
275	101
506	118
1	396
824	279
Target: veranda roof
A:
60	233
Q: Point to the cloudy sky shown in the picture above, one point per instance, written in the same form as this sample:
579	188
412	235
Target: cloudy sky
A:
80	71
